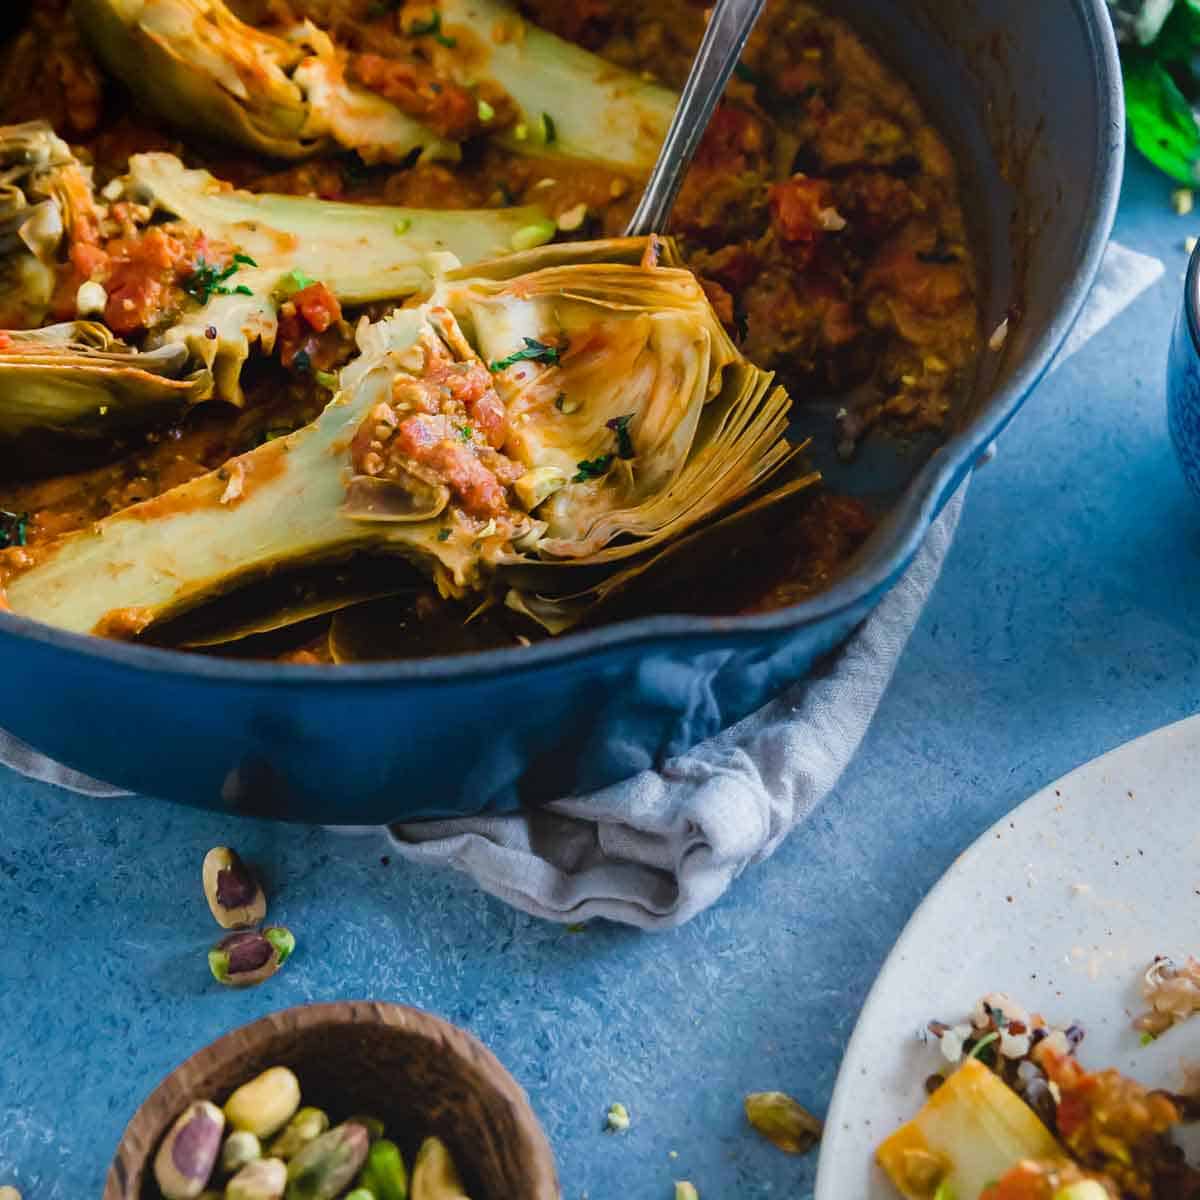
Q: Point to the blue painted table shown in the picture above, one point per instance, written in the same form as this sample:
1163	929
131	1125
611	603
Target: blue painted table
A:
1065	624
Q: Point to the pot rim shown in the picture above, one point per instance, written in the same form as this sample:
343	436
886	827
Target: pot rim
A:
928	492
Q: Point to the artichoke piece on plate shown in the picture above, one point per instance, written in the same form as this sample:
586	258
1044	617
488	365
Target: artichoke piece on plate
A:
361	252
539	419
287	95
199	66
78	379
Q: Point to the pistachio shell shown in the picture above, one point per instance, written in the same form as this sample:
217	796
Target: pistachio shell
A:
265	1104
783	1122
234	895
435	1176
265	1179
185	1160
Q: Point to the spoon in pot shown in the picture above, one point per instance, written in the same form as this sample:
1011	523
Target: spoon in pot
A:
728	28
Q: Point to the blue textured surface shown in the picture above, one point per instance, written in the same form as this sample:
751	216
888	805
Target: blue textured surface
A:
1065	624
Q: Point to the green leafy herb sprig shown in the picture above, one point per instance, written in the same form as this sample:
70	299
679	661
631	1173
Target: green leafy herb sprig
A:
1160	60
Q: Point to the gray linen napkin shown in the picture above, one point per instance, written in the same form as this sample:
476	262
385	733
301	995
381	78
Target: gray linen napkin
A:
660	848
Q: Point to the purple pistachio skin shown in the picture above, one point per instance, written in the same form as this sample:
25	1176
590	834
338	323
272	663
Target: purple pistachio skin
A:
188	1155
234	895
235	886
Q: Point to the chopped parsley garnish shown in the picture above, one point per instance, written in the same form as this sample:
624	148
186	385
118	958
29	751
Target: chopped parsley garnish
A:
327	379
208	280
13	528
1146	1039
443	535
593	468
432	27
747	74
620	426
485	111
466	433
534	351
295	281
549	129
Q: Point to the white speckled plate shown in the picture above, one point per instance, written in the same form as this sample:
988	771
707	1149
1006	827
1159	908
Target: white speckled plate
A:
1062	905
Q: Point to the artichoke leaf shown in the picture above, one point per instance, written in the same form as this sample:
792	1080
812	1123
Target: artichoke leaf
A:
361	252
78	379
597	111
679	427
200	67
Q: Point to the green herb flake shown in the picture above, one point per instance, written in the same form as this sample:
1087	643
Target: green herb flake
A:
534	351
549	129
14	529
295	281
1146	1039
593	468
402	227
432	28
486	111
945	1191
443	535
620	426
466	433
327	379
208	280
244	260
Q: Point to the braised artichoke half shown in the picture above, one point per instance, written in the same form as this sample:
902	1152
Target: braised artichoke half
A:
201	68
538	430
44	191
362	253
78	379
197	65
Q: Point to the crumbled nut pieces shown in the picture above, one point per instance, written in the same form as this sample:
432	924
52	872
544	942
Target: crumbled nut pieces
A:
1183	200
685	1190
617	1119
783	1122
234	894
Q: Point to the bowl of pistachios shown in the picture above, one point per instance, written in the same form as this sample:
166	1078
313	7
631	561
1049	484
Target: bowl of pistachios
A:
346	1101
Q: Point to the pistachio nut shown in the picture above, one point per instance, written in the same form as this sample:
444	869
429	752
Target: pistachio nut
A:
685	1190
233	892
306	1126
263	1179
249	957
373	1125
185	1160
241	1147
617	1119
265	1104
359	1193
9	1193
783	1122
325	1168
384	1174
434	1175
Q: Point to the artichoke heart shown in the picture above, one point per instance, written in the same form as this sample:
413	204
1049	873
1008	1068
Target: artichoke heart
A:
447	432
293	93
78	379
200	67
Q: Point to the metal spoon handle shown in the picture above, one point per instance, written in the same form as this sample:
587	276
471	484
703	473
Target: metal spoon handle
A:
728	28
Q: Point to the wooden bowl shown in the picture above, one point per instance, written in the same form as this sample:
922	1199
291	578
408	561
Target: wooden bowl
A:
421	1076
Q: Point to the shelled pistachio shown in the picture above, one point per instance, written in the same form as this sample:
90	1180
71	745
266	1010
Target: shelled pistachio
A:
384	1174
265	1104
241	1147
234	895
9	1193
264	1179
325	1168
373	1125
249	957
435	1176
306	1126
185	1161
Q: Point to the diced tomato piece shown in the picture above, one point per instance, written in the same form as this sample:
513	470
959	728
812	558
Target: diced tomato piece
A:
318	306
